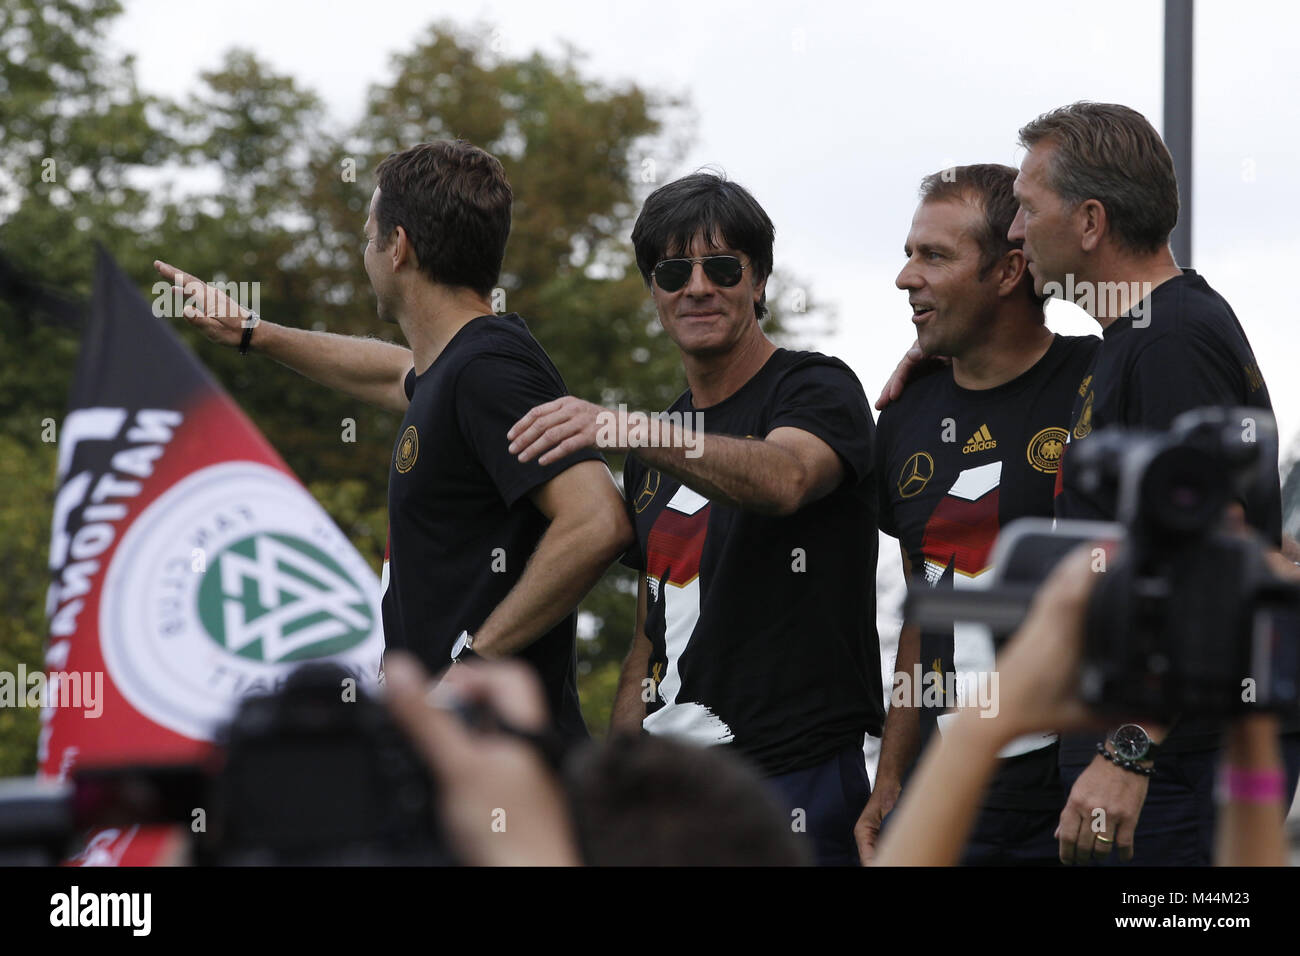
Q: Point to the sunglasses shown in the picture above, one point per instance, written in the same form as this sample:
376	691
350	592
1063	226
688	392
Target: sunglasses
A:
672	274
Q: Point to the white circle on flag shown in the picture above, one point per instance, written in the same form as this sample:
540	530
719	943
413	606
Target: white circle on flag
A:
225	583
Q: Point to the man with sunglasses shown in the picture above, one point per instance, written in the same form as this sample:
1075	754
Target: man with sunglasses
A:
756	539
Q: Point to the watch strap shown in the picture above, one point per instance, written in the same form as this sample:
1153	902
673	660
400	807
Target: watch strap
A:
249	323
1128	765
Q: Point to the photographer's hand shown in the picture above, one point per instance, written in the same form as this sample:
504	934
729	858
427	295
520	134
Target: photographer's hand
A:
1037	690
1038	670
500	804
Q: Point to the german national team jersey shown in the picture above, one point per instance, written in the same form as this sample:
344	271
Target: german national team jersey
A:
763	627
1187	351
956	466
461	526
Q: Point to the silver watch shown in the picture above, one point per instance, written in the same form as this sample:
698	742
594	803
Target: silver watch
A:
464	642
1133	743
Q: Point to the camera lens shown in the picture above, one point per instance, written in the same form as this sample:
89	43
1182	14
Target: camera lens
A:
1184	490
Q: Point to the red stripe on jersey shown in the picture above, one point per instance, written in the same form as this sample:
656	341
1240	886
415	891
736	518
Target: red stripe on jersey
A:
675	545
962	531
1059	485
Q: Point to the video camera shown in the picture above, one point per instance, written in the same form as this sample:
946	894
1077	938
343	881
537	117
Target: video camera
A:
1186	616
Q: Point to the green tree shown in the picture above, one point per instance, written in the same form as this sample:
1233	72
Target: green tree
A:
291	193
74	133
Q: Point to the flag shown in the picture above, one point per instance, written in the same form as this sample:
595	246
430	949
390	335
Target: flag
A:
189	566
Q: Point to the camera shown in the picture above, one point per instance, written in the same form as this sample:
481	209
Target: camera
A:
315	774
1185	617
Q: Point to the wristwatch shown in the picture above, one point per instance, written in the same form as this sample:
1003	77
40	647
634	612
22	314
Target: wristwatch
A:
1133	743
463	649
252	321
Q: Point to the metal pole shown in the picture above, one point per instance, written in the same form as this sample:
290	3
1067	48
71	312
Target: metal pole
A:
1178	117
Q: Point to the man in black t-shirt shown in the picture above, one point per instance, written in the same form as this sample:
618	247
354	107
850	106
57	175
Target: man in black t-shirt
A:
1098	201
966	450
466	516
487	556
753	499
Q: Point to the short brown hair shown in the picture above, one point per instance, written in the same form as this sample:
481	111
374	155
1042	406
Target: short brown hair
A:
1112	154
453	200
647	800
991	186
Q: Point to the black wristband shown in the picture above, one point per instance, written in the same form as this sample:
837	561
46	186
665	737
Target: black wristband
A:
246	339
1128	765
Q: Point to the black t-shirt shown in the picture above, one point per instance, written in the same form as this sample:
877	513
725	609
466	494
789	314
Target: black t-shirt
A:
460	525
1190	351
764	627
956	466
1187	351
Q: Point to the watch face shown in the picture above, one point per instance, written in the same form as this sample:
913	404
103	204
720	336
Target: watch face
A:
1131	742
459	646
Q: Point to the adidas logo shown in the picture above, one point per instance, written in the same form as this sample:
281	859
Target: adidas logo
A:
980	441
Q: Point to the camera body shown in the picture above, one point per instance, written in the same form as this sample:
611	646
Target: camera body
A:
319	774
315	774
1185	616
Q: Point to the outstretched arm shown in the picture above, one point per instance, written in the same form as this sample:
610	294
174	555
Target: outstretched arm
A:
370	370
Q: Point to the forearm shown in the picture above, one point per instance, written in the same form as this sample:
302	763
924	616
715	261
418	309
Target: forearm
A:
1252	833
743	472
629	703
367	369
902	731
934	819
569	559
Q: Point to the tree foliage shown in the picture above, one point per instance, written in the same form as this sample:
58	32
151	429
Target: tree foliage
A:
283	193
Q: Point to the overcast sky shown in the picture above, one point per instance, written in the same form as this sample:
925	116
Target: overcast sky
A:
832	112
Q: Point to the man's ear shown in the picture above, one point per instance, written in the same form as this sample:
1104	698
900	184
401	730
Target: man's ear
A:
403	252
759	288
1010	271
1092	222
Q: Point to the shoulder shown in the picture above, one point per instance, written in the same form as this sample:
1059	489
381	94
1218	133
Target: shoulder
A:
1075	355
1184	310
785	361
1079	346
498	335
930	384
790	367
926	399
1208	320
497	347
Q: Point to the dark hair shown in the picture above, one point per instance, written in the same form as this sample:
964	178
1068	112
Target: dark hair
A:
707	203
988	185
644	800
1112	154
453	200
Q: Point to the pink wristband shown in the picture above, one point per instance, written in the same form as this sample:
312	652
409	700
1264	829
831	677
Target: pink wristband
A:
1252	786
